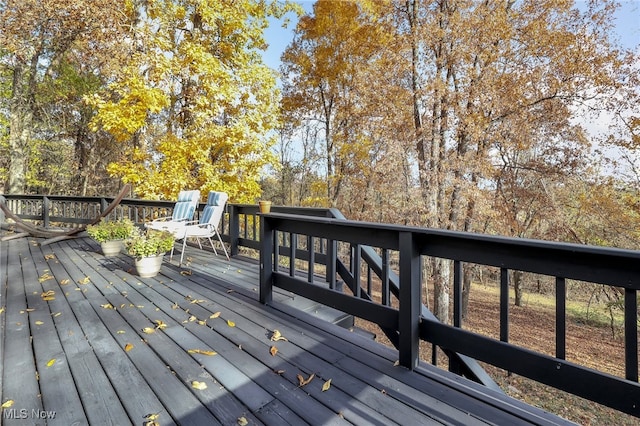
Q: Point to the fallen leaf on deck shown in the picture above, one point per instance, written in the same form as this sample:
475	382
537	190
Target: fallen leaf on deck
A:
161	325
107	306
215	315
154	416
273	351
44	277
120	332
128	347
202	322
198	385
231	323
276	336
48	295
326	385
39	323
49	256
202	352
57	314
148	330
151	423
64	282
8	403
85	280
2	310
242	421
175	306
279	372
192	318
51	362
185	273
302	381
198	301
397	363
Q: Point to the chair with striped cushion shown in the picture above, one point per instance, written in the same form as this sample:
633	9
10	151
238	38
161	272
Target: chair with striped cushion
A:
183	212
208	224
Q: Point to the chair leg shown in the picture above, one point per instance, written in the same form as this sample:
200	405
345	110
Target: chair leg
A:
222	244
184	243
212	246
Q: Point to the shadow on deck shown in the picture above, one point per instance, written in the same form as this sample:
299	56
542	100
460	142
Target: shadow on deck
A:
83	340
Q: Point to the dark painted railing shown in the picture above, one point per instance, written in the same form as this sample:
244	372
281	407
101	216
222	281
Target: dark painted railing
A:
618	268
367	255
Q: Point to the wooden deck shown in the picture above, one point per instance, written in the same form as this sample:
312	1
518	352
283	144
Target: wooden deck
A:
81	356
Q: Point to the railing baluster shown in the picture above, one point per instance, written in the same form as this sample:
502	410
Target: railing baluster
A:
631	334
332	253
561	318
355	269
386	294
312	257
504	304
293	246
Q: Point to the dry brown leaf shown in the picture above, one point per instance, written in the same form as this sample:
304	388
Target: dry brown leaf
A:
201	322
153	416
48	295
57	314
175	306
185	272
273	351
128	347
148	330
44	277
326	385
107	306
197	301
161	325
279	372
276	336
120	332
85	280
49	256
198	385
39	323
397	363
302	381
215	315
242	421
2	310
202	352
8	403
231	323
65	281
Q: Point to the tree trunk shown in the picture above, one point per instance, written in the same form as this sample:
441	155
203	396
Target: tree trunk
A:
517	285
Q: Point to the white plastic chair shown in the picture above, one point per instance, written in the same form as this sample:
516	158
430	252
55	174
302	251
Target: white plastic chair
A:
183	212
208	224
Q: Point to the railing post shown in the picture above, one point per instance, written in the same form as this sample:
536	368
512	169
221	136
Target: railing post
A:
267	235
410	301
234	230
45	212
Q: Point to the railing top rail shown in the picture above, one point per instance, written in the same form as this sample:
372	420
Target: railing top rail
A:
604	265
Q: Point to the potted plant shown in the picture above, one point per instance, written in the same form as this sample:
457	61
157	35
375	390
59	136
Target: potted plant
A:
148	248
110	234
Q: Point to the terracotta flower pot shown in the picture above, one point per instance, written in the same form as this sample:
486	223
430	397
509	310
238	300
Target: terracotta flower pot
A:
265	206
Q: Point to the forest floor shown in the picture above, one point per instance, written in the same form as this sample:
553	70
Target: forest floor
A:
592	341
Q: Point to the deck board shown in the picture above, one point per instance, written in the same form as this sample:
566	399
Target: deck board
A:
101	306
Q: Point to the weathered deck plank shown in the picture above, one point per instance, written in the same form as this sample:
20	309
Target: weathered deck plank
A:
100	306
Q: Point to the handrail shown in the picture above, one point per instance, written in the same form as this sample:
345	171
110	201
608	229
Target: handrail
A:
614	267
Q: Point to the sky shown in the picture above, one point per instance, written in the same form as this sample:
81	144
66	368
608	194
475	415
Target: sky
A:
627	28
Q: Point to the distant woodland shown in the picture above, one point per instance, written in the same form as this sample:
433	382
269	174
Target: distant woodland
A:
455	114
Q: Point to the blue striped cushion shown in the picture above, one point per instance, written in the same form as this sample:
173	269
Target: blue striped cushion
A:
186	205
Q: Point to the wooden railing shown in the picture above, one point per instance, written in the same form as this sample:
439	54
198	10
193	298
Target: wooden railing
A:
595	265
380	266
